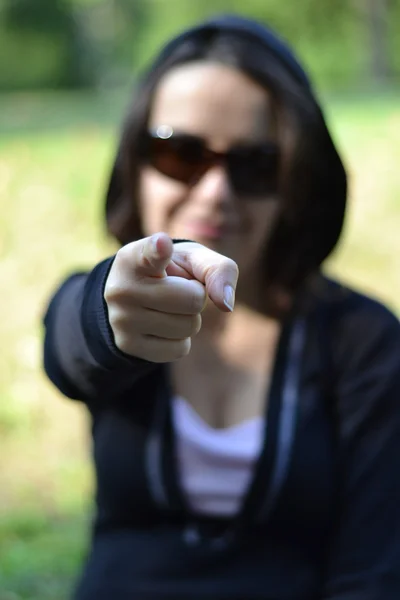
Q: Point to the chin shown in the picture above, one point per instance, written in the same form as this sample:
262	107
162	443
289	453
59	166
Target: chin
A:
187	234
218	245
227	244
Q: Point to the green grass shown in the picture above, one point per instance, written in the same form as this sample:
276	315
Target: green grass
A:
55	151
40	555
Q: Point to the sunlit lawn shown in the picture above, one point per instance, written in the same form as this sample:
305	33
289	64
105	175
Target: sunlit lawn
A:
54	155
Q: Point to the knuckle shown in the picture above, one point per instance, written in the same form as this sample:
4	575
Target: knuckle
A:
117	320
164	351
234	267
182	348
120	263
123	342
196	324
198	299
113	291
122	323
229	265
124	255
225	265
118	291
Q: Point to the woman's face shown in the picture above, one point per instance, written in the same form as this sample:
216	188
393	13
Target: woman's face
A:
226	109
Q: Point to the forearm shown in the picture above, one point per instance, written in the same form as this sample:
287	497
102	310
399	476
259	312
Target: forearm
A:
80	356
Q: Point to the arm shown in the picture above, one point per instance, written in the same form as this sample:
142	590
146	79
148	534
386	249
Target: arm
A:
364	562
80	356
106	330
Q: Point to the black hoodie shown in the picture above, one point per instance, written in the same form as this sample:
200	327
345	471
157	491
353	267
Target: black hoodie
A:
321	518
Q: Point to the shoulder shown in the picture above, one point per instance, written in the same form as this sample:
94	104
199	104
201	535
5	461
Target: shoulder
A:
365	333
357	312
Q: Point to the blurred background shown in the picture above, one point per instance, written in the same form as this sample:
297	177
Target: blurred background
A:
66	71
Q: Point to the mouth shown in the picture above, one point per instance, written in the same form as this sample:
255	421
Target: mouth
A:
209	230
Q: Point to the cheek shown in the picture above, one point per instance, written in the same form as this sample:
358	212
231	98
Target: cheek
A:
159	198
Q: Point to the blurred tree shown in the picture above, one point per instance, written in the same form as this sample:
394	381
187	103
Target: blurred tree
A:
39	45
70	43
110	28
327	34
394	37
378	19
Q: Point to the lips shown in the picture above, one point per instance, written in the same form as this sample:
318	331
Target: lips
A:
209	229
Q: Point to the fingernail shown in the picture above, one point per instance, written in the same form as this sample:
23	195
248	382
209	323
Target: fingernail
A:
229	297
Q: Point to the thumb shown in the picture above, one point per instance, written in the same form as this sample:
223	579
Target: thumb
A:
154	255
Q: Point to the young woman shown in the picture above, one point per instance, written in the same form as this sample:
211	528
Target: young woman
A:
246	447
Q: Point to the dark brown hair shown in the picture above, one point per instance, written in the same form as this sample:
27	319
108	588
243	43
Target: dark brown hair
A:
312	179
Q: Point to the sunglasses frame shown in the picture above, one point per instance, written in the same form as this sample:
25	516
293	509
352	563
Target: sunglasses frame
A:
239	166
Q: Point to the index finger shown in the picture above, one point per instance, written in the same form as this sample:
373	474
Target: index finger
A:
218	273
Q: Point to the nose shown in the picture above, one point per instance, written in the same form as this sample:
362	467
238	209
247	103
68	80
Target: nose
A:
214	187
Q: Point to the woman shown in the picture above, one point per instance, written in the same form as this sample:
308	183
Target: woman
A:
246	448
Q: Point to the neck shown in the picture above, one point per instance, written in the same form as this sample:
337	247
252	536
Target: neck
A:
249	304
216	324
243	339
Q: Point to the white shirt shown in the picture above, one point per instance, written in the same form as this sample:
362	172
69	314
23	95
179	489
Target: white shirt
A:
215	465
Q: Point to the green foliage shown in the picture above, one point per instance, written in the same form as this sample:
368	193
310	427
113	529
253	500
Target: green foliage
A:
326	35
38	45
393	40
70	43
40	556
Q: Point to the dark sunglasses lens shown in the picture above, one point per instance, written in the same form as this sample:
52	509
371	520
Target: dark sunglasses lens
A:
179	157
254	171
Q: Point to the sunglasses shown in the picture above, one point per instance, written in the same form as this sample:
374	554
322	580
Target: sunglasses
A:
252	169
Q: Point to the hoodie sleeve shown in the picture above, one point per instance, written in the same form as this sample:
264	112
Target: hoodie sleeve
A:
364	561
80	356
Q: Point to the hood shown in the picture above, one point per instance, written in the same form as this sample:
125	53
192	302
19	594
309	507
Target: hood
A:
223	23
248	28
